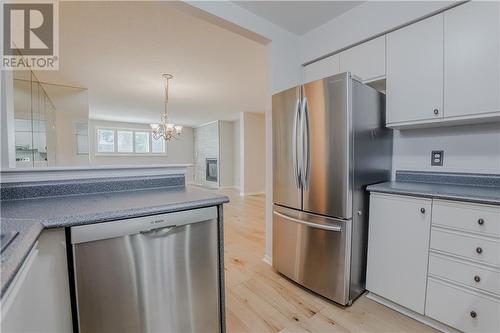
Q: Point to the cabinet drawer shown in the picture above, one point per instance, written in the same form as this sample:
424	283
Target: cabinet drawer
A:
481	219
462	309
473	247
472	275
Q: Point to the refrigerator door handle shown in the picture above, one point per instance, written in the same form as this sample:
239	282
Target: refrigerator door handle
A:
305	143
295	155
309	224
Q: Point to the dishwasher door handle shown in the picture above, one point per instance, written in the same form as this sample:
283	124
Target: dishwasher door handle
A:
158	232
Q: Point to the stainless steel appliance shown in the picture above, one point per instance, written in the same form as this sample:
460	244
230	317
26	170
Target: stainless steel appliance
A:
151	274
329	142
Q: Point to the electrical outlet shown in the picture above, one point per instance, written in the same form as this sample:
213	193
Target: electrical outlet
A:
437	157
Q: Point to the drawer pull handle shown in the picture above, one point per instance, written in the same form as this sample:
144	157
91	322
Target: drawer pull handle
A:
436	112
477	278
480	221
422	210
479	250
473	314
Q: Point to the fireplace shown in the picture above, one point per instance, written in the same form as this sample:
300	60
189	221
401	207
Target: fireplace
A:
211	169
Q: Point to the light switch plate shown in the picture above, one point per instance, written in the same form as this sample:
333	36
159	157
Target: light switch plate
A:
437	157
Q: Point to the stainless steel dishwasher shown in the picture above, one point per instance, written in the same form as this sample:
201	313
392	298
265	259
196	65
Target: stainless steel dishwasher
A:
151	274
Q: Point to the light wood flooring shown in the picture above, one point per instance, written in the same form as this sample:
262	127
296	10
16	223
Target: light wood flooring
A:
258	299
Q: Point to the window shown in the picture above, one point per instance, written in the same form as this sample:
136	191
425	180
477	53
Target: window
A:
158	145
141	142
105	141
124	141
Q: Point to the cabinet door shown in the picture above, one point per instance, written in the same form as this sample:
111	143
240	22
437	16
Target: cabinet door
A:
38	299
472	59
415	71
366	60
398	249
321	69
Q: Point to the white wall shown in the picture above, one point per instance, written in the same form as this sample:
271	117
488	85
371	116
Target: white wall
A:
7	134
469	148
179	151
236	154
253	136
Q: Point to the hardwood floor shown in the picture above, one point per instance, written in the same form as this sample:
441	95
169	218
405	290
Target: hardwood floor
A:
258	299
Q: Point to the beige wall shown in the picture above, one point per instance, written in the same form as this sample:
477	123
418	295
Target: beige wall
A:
253	145
179	151
65	152
71	107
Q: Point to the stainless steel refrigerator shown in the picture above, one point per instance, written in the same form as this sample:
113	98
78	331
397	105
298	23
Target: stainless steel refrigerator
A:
329	142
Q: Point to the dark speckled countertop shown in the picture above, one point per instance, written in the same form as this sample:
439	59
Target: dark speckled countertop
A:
15	253
72	210
483	189
30	215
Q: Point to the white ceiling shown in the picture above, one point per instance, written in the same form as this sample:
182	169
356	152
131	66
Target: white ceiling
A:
298	16
119	50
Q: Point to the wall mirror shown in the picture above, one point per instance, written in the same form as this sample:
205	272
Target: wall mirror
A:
49	124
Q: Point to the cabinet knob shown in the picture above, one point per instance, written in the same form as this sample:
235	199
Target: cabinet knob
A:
473	314
422	210
477	278
479	250
480	221
436	112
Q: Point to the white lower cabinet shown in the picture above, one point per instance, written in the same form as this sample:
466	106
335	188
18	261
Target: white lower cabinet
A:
459	286
477	248
398	248
38	299
466	273
463	309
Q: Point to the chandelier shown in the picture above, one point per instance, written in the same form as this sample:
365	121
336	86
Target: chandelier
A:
166	130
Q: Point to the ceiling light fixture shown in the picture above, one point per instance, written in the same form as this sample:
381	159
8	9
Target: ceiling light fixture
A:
166	130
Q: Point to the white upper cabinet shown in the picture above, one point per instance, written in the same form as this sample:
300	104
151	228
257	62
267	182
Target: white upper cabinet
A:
415	71
321	69
366	60
472	59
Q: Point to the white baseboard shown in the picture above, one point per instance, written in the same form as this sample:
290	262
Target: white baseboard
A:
268	260
409	313
251	193
230	187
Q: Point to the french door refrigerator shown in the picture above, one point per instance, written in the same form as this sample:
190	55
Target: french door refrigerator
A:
329	142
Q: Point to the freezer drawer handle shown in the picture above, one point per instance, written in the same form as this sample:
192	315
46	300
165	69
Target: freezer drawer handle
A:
309	224
158	232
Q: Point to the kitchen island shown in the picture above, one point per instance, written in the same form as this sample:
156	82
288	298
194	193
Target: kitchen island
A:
44	213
